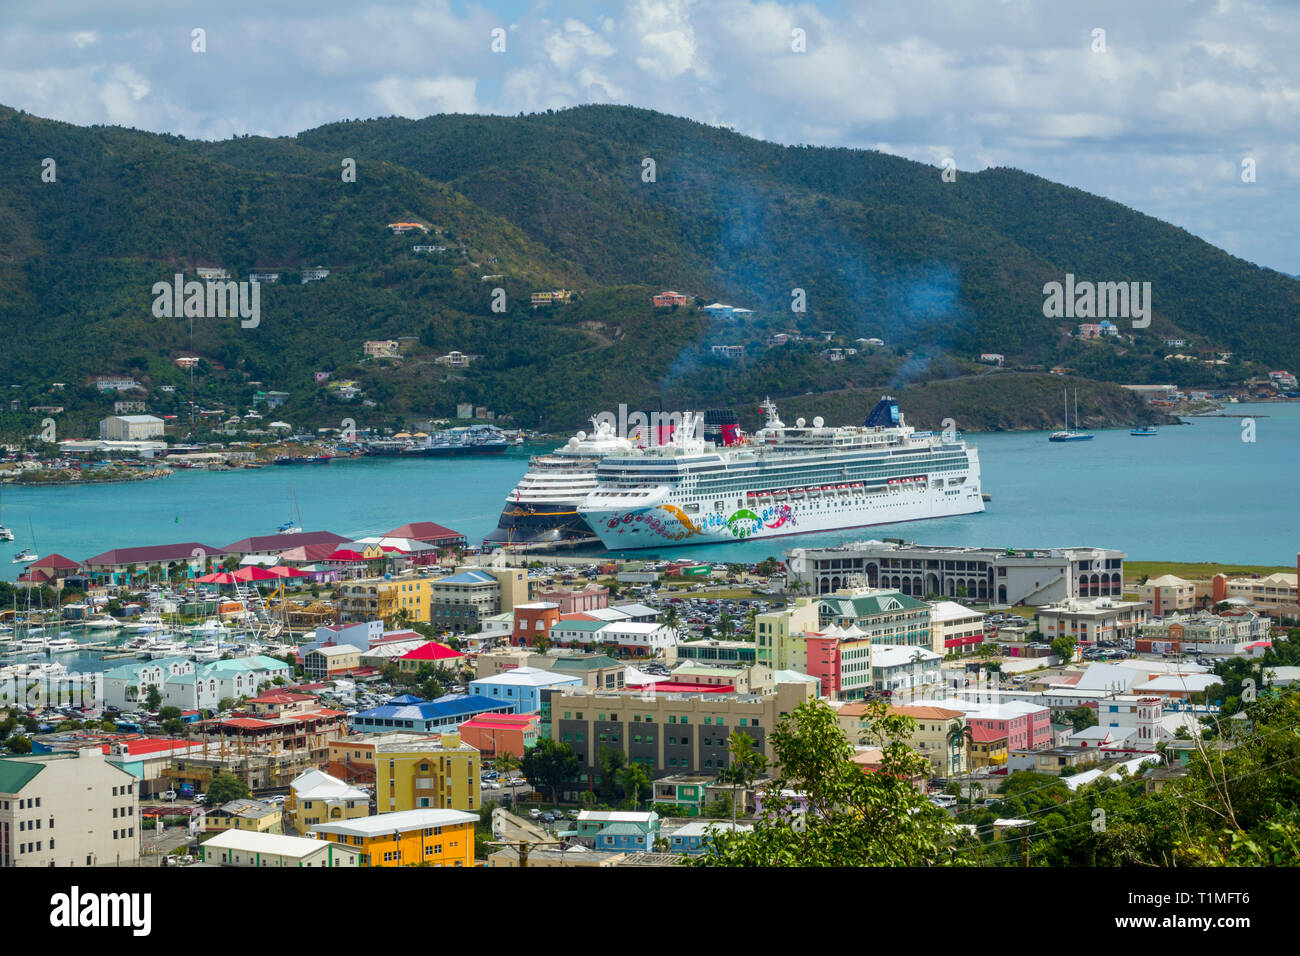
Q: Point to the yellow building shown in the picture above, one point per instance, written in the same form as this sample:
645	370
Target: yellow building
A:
989	748
408	838
251	815
773	632
929	738
316	797
409	596
419	771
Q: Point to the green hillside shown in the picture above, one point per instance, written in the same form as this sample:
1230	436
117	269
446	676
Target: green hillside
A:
880	246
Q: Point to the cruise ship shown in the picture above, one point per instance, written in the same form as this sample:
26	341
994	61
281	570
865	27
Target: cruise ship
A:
542	509
784	480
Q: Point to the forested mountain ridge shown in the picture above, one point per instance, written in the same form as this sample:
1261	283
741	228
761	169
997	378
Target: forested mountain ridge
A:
880	246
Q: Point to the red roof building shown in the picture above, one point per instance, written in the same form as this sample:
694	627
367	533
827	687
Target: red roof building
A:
51	568
432	651
429	533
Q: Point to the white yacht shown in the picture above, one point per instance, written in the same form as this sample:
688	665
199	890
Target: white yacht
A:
58	644
205	651
166	649
104	623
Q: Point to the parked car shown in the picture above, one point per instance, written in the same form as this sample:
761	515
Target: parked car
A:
535	814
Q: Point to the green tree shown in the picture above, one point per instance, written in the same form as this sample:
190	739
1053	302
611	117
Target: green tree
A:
610	761
1063	647
853	818
168	713
745	762
635	782
226	704
173	726
153	699
550	765
506	763
18	744
960	739
225	787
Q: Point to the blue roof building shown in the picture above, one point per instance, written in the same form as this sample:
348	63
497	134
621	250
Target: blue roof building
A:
426	716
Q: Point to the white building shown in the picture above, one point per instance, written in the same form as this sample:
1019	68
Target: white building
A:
1092	620
67	810
954	628
640	638
317	797
1166	594
130	428
250	848
900	668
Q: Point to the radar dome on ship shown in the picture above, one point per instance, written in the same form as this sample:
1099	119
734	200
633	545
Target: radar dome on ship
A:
818	422
798	423
573	442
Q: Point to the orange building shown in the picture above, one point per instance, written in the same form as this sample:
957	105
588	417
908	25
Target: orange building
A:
533	621
664	299
407	837
493	734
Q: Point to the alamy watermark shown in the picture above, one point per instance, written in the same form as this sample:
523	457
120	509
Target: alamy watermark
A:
213	299
659	427
1098	300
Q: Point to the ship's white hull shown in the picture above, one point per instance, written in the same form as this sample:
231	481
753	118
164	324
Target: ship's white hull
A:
666	524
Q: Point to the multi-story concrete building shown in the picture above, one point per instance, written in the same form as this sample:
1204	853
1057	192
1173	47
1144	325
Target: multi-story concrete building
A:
130	428
954	629
666	733
715	652
1092	620
1273	594
533	621
433	837
1027	726
67	810
591	598
1202	632
931	737
998	575
1167	594
844	640
413	773
331	661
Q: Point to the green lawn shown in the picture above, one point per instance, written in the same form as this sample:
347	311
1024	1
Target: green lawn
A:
1197	571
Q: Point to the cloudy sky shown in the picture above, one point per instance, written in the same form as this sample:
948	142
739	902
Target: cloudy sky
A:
1159	111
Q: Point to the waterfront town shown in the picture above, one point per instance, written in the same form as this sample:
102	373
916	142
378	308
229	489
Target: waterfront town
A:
306	700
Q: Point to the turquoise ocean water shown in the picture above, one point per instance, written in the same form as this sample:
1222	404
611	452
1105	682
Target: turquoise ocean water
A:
1194	492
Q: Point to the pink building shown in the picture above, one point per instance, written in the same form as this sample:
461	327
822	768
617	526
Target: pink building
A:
591	598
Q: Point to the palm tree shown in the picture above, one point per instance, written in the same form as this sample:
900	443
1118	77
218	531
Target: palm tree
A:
961	737
506	763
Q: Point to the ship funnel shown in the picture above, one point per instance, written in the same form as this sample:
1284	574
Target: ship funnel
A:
884	415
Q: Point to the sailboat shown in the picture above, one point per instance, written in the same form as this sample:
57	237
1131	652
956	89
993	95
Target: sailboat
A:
291	526
5	533
1070	434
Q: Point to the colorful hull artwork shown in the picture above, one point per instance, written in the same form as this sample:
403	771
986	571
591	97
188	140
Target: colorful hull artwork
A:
679	526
